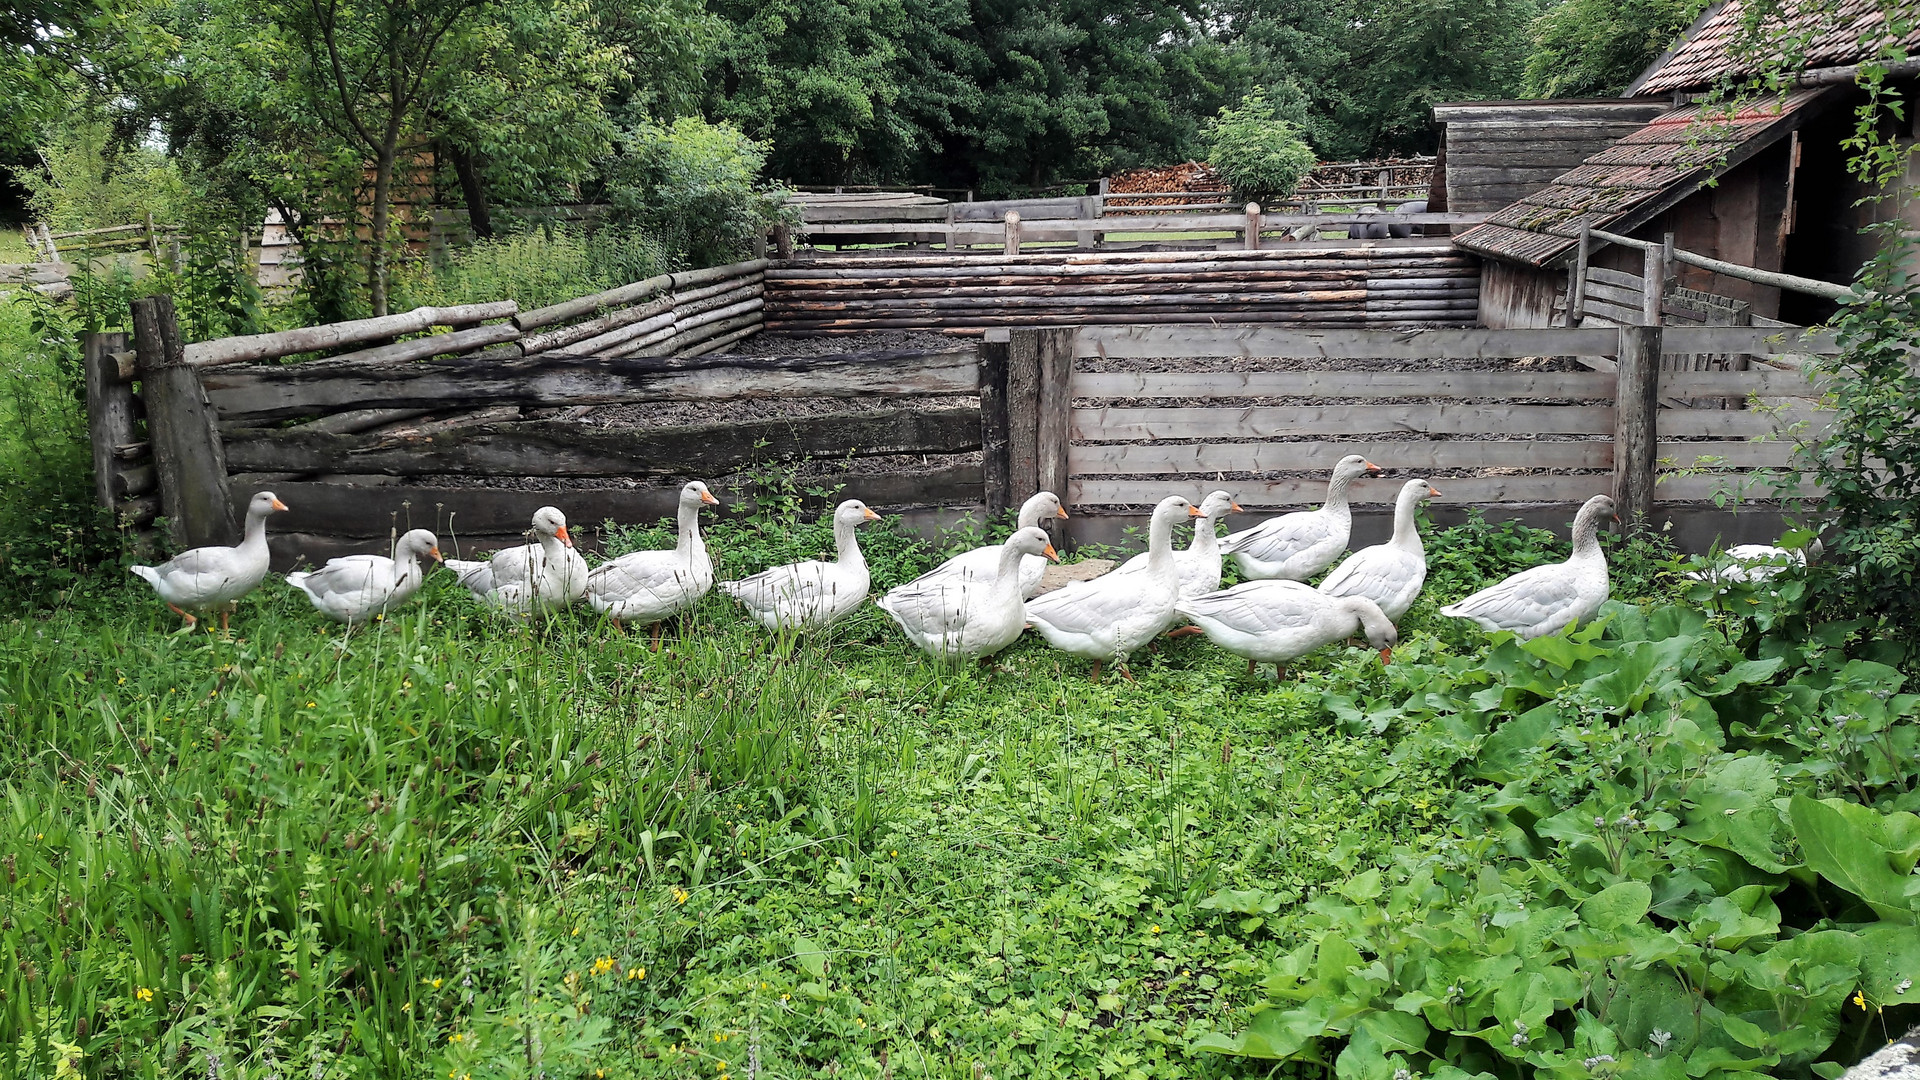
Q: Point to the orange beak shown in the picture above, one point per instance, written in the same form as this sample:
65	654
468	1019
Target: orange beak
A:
435	552
278	505
561	534
871	516
1386	656
707	497
1193	511
1050	553
1616	517
1062	512
1236	508
1371	467
1433	491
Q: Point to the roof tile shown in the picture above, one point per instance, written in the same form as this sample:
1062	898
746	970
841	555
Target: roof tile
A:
1835	32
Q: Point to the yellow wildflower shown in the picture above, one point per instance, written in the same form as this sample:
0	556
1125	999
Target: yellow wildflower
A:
679	895
408	1007
576	931
1156	928
143	994
1860	999
456	1037
436	984
636	973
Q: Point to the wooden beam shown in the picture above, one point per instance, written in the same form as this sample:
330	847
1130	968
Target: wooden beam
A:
435	345
998	492
1636	429
109	410
586	305
235	350
189	460
1023	414
613	320
1054	418
319	388
1157	342
1363	384
1202	458
1311	490
562	448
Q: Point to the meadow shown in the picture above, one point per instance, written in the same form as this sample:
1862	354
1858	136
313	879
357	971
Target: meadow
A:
453	845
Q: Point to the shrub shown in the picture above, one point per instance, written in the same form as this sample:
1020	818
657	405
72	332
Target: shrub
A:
696	186
1257	149
539	267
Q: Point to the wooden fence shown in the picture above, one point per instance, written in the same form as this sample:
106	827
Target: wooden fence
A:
1088	223
471	445
1338	285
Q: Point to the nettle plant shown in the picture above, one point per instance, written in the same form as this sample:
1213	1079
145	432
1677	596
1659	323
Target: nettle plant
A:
1666	859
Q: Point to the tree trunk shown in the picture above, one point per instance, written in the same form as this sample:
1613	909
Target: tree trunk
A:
382	218
468	169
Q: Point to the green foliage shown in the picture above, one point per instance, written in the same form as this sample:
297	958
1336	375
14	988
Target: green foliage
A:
1256	151
537	267
88	178
696	186
1594	48
1655	854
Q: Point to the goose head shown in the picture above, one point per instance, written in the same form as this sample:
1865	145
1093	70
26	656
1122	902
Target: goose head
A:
1380	631
1033	540
1218	505
1352	467
696	492
853	512
417	544
1043	505
264	503
1172	509
549	521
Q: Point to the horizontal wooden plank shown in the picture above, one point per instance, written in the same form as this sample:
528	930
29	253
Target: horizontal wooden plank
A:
1765	382
587	305
1617	278
1557	386
980	271
233	350
458	341
1752	340
1734	487
1439	249
1309	491
1122	459
1126	424
1165	342
553	379
562	448
372	512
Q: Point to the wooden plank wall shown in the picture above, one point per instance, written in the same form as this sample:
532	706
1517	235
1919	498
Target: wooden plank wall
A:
1497	439
1499	152
1422	285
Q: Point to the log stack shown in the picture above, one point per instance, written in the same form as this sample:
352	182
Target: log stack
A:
1427	285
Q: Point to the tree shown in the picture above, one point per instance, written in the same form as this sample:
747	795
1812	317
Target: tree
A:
1596	47
1256	150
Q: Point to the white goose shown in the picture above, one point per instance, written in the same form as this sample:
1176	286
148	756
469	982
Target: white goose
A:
206	578
1294	547
544	575
812	594
960	618
648	587
1547	599
355	588
1392	573
1199	562
1111	616
1755	563
1278	621
983	563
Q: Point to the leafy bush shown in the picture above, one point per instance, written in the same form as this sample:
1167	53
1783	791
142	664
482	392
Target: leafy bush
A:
90	178
1257	150
695	185
1597	47
538	267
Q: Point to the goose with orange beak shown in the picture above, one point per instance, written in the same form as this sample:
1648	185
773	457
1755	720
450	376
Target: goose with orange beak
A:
212	578
649	587
954	617
356	588
1295	547
543	575
1108	618
816	593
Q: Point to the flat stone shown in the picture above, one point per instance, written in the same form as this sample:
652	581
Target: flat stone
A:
1068	573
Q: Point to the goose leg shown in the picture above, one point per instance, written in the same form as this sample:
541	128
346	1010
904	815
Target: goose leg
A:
1183	631
1125	674
188	616
223	622
1096	671
656	637
1253	669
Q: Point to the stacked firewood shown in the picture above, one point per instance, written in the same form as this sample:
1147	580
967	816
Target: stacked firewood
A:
1163	185
1408	172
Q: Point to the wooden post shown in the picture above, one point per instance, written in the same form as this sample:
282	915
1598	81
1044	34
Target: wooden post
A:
1052	430
1087	210
1653	285
1636	435
46	243
1023	415
1577	282
109	411
1253	226
993	427
1013	232
948	245
189	460
783	240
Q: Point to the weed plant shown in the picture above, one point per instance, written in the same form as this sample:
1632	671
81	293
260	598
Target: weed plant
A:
541	266
450	843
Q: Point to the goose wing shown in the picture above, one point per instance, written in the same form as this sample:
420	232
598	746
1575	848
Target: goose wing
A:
1526	599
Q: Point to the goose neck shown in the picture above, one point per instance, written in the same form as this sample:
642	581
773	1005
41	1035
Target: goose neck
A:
1009	568
1205	540
689	525
846	545
1160	544
1406	524
256	534
1586	535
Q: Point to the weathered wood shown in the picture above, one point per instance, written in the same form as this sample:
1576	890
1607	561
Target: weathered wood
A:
1121	459
688	339
1420	385
138	513
133	481
1270	264
1636	429
435	345
714	345
657	327
584	305
1012	234
1312	490
311	389
1753	340
684	325
1161	342
1023	414
641	346
347	423
1167	295
1354	315
613	320
561	448
994	429
1105	285
234	350
685	311
1250	231
1055	348
110	417
1124	424
188	457
687	279
718	288
783	241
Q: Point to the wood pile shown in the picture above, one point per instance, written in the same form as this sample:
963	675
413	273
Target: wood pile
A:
1357	286
1193	176
1408	173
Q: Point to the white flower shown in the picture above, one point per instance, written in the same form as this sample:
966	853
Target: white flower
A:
1659	1038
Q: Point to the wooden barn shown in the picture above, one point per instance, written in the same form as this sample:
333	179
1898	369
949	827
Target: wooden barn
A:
1761	183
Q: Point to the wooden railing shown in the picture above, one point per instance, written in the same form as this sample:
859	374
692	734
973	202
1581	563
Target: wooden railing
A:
964	226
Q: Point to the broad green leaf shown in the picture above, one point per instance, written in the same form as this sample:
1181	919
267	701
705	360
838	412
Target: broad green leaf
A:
1395	1032
1617	905
1337	958
1890	964
811	958
1272	1034
1837	839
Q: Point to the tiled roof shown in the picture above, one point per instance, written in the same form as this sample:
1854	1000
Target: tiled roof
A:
1815	33
1637	177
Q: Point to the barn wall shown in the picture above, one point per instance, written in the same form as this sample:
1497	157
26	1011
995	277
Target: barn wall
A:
1498	152
1518	296
1742	219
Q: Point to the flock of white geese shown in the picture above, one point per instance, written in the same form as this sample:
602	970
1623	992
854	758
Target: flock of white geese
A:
976	603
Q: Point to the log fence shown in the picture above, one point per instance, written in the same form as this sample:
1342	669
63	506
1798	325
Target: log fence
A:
966	227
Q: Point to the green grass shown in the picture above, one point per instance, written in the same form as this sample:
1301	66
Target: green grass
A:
416	848
13	246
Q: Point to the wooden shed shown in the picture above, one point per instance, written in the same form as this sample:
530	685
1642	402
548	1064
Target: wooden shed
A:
1760	182
1493	153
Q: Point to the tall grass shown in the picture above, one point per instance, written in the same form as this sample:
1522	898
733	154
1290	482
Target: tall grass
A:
538	267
